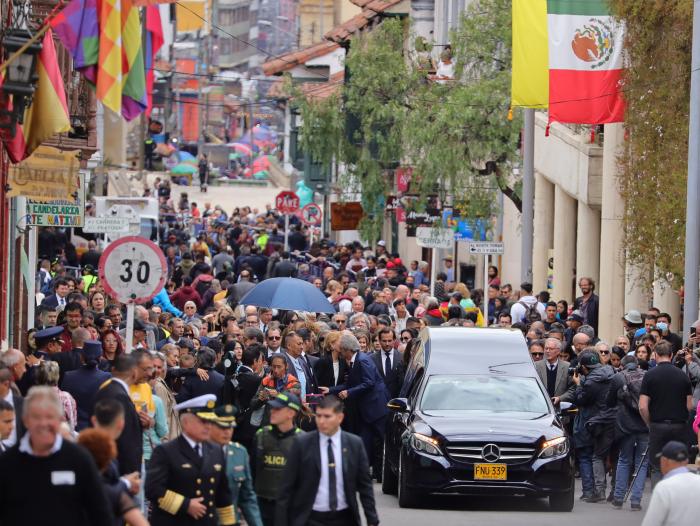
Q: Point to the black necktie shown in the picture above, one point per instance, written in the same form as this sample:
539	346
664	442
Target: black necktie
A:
332	491
197	449
387	363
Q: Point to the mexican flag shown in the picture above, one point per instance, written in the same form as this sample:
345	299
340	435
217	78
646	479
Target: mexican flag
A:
585	62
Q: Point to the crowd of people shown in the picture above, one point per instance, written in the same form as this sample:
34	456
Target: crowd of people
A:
287	380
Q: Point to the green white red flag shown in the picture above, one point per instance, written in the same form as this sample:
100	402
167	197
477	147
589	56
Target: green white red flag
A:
585	62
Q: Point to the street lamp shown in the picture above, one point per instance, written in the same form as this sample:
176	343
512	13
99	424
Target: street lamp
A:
20	77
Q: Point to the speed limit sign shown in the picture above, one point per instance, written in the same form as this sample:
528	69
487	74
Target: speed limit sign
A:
133	269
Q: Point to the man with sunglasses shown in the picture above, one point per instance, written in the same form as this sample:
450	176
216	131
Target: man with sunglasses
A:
341	320
274	340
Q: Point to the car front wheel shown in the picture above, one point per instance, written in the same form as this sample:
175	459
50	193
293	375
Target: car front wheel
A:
408	498
562	501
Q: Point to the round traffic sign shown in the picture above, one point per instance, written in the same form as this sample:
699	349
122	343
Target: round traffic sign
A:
311	215
287	202
133	269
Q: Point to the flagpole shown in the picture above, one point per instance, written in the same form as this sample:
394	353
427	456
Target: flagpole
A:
24	48
528	200
692	222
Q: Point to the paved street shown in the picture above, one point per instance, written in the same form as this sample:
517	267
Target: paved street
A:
228	197
458	511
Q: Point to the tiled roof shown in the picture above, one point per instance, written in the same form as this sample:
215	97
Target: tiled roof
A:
323	90
371	9
297	58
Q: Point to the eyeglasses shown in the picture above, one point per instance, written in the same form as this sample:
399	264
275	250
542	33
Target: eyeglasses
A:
604	352
536	354
405	339
274	337
340	321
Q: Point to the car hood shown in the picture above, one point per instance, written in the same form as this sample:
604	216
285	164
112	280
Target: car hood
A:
507	426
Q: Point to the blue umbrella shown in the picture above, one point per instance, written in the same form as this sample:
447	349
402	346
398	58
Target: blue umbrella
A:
288	294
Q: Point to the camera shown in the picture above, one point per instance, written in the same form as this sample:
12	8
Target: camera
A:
575	370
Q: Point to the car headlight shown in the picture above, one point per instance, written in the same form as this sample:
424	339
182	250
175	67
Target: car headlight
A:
556	447
425	444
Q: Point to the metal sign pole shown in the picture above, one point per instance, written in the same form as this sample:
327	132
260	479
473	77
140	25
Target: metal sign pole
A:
486	290
433	271
129	326
286	232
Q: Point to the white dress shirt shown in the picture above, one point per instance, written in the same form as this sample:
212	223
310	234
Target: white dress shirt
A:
12	439
193	444
25	446
321	503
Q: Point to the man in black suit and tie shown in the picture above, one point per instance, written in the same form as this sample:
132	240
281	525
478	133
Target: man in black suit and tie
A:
326	469
58	300
130	442
195	386
554	373
365	387
389	363
298	364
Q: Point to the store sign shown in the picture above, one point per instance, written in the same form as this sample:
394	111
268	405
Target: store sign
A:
48	174
59	213
429	237
346	216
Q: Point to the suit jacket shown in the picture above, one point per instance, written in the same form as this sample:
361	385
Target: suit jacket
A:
130	442
302	475
564	387
311	381
394	380
194	386
67	361
284	269
324	371
18	402
83	385
176	474
50	301
365	386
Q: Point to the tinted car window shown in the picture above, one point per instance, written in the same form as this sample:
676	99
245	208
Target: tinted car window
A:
483	393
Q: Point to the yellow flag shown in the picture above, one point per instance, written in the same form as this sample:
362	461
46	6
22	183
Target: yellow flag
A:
530	79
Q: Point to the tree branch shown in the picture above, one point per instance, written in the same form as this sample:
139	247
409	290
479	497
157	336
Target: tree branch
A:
507	190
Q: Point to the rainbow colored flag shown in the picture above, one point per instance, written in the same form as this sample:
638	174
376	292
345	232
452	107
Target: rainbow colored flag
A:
105	42
154	41
48	114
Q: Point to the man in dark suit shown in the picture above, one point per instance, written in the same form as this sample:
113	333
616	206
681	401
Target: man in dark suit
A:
71	360
364	386
389	362
186	480
58	298
16	401
241	389
554	373
130	442
325	471
298	364
194	386
84	382
284	268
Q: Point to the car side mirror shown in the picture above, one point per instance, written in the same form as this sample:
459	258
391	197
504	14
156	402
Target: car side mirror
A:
399	405
563	406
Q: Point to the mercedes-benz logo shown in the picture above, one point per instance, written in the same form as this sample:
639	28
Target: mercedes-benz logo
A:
490	453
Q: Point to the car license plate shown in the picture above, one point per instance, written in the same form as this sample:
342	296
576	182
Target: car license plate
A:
490	472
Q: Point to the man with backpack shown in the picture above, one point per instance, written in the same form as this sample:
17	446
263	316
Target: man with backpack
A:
631	431
527	309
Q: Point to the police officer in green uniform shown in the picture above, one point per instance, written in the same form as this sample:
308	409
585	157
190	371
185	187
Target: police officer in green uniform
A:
186	482
240	480
272	445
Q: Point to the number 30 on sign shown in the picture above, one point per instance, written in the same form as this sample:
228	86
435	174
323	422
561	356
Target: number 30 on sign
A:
133	269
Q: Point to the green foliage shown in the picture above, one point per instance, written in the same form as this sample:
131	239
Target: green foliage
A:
389	114
654	162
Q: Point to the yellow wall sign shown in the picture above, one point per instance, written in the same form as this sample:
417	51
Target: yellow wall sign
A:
48	174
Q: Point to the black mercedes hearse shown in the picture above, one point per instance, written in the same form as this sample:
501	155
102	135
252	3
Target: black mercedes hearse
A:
474	419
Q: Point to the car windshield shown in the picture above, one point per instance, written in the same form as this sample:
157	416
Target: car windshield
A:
483	394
